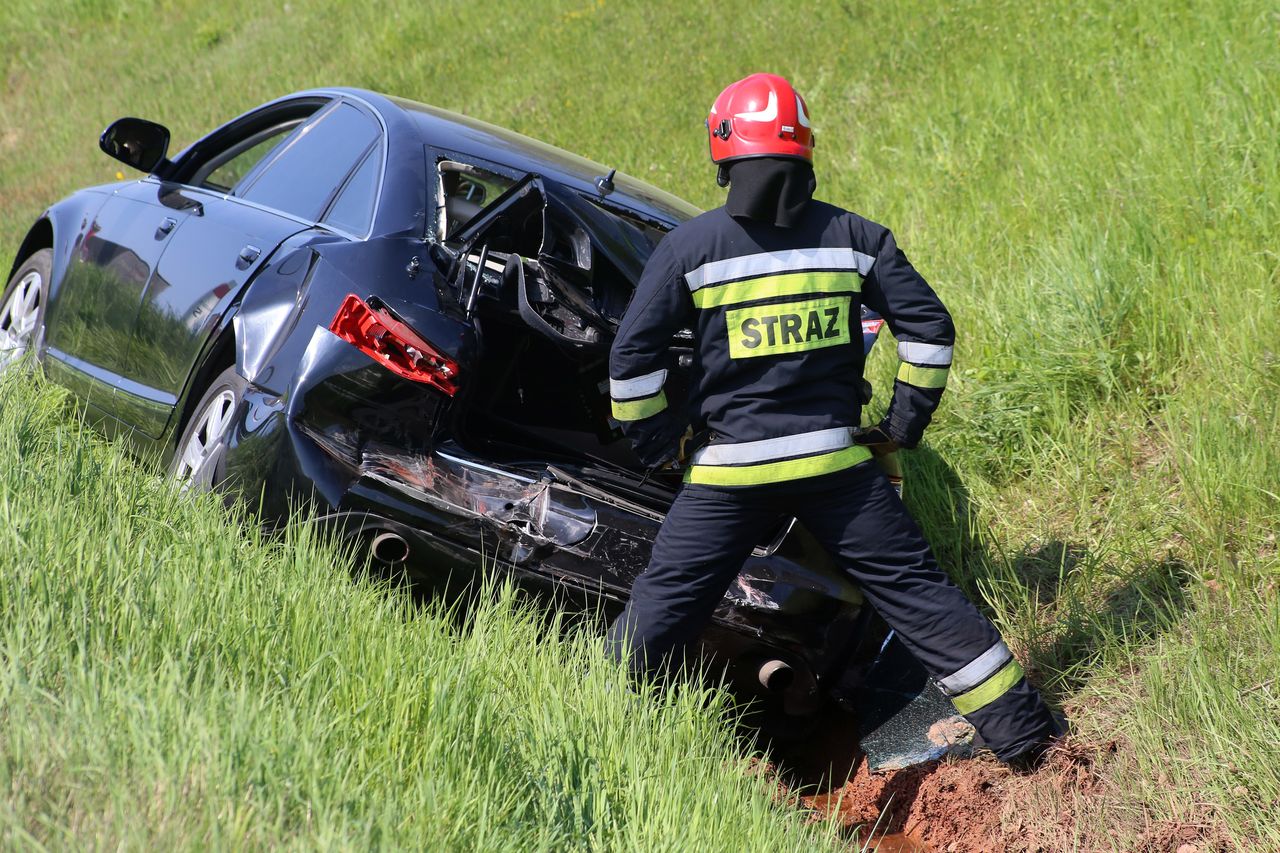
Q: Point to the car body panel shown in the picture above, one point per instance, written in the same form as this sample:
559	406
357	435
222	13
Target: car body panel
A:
301	292
206	263
70	224
92	313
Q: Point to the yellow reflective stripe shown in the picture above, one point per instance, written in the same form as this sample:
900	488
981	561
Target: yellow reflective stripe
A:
923	377
634	410
990	690
792	284
777	472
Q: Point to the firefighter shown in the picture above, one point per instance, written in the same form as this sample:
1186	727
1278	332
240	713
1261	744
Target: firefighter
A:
772	284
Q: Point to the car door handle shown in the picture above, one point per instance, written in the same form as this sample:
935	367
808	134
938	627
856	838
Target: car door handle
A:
249	254
165	228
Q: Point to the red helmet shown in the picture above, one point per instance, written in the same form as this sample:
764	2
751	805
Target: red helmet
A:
759	116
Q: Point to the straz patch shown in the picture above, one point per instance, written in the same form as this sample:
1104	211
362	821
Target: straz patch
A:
788	327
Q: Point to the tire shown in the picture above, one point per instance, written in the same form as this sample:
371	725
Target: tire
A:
199	458
22	309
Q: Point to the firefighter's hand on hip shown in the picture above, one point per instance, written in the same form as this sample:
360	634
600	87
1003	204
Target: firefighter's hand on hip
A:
877	440
659	444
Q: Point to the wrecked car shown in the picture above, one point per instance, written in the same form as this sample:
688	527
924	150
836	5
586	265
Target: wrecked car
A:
401	317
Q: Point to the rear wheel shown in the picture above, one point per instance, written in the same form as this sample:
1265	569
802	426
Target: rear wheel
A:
198	460
22	308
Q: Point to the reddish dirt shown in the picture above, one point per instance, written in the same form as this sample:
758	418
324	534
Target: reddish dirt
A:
951	806
959	806
936	806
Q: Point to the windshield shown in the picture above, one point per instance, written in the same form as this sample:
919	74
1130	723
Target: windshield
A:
567	228
626	238
642	235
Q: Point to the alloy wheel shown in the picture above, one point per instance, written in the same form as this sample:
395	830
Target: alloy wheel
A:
20	318
212	423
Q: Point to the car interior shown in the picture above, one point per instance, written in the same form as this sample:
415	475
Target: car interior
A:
465	191
542	383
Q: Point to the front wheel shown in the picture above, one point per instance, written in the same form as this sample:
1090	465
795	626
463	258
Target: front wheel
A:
22	308
198	460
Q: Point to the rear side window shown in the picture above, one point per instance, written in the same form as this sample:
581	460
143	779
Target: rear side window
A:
307	173
352	211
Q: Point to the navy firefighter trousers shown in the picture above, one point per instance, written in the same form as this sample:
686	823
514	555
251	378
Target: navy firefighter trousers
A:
860	520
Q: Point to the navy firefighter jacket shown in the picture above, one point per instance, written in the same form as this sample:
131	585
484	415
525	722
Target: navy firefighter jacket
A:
778	358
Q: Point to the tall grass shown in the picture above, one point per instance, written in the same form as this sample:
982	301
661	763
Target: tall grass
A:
1093	188
170	679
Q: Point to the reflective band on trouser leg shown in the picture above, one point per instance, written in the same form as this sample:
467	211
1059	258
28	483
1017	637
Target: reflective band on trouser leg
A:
635	410
990	690
777	472
977	670
923	377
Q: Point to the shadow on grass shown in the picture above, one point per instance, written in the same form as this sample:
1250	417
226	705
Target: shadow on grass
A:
1068	602
1103	608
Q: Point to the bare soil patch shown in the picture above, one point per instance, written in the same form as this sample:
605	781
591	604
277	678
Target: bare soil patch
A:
970	805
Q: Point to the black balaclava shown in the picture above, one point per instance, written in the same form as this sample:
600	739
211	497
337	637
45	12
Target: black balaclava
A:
770	189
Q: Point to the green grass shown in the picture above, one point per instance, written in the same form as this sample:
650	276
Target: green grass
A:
170	679
1093	188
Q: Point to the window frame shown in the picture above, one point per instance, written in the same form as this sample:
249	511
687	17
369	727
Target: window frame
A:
231	136
371	151
247	183
186	170
213	164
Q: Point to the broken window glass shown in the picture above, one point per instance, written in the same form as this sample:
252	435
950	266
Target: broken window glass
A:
465	191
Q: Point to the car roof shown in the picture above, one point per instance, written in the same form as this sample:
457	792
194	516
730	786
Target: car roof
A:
454	132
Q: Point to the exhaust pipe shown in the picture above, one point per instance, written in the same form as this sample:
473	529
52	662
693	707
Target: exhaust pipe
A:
776	675
389	548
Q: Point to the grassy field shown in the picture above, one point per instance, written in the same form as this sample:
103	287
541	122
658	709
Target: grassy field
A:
168	679
1093	188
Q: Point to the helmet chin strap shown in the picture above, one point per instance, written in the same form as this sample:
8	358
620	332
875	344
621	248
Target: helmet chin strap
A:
722	174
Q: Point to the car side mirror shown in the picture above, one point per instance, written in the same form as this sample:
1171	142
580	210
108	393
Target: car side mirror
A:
136	142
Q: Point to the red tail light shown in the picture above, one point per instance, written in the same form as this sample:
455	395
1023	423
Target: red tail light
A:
394	345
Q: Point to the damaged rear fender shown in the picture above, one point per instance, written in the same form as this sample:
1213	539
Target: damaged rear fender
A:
276	320
348	419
